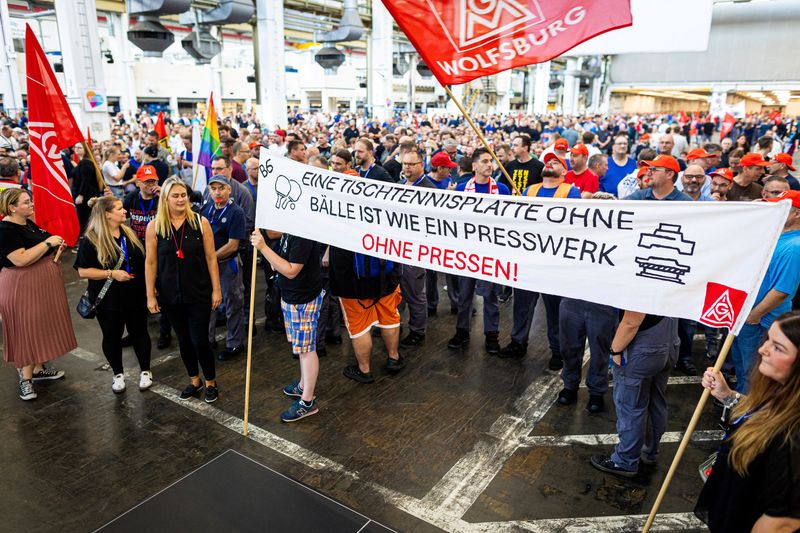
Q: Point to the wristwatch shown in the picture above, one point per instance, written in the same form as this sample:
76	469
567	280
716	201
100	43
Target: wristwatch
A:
617	353
49	246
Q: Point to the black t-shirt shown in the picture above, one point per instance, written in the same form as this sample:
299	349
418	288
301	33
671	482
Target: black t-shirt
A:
130	173
84	181
350	133
140	212
14	236
393	168
162	170
523	174
121	295
731	503
307	284
346	284
377	172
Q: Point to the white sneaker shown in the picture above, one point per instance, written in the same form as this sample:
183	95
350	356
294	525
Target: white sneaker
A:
145	380
119	383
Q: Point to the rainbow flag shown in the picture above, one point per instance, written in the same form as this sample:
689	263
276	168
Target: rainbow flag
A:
209	143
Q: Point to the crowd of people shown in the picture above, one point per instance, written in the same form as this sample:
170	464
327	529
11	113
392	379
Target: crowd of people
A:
150	243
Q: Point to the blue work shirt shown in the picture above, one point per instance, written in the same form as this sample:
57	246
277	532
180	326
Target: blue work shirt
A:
783	275
647	194
226	223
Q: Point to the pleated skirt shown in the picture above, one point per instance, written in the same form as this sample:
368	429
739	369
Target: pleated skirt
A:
37	326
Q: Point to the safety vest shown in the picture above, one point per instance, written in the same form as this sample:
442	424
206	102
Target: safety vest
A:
561	192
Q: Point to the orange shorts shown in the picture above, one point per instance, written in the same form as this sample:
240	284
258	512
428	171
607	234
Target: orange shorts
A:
361	315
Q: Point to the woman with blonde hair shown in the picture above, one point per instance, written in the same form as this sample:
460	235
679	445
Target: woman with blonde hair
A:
183	280
111	253
754	484
113	175
37	326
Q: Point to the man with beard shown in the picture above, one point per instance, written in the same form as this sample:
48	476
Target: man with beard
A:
721	180
366	165
523	170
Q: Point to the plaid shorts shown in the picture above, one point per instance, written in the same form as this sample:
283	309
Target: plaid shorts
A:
301	324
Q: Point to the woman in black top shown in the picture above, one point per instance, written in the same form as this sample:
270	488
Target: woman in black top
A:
85	185
37	326
183	278
755	482
124	305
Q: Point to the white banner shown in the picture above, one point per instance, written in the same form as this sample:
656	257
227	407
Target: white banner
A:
698	260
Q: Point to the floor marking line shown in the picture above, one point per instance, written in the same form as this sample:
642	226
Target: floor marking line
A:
86	355
673	380
612	438
606	524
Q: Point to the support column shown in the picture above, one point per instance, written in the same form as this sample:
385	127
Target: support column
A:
541	88
530	85
127	97
271	69
458	94
380	62
9	80
412	69
83	68
216	72
173	107
503	90
569	105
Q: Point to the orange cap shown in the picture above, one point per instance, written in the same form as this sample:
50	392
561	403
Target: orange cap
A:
351	172
664	161
579	149
723	173
792	196
753	160
641	172
561	144
254	144
645	137
146	172
786	159
550	155
697	153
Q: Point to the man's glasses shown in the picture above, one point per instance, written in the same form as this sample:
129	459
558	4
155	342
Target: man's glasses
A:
695	177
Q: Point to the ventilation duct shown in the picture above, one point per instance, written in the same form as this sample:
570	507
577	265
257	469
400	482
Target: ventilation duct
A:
226	12
151	36
330	58
148	33
400	66
201	45
350	26
423	69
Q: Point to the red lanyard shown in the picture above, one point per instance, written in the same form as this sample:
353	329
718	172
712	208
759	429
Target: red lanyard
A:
179	253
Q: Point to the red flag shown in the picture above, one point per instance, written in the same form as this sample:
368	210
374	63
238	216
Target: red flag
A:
727	125
722	305
461	41
684	118
161	129
52	128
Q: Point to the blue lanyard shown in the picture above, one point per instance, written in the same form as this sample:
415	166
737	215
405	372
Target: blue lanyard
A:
149	206
367	171
252	189
213	210
124	247
418	180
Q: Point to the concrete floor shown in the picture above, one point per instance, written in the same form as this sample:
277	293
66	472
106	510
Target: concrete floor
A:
456	442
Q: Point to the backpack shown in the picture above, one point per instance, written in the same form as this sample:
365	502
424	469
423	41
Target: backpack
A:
366	266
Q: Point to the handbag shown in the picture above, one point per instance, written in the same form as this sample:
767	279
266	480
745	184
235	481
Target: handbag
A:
85	307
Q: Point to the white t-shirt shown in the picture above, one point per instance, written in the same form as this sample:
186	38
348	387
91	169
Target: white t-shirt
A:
109	171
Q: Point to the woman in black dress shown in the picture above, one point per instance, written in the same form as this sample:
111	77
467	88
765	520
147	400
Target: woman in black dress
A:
37	326
124	305
183	280
755	482
85	185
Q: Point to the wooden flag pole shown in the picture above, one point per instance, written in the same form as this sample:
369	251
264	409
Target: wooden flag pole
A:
194	179
479	134
687	435
250	339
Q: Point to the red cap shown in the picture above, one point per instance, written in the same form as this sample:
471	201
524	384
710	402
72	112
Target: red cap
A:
550	155
723	173
561	144
792	196
281	133
645	137
579	149
254	144
664	161
146	172
786	159
441	159
753	160
697	153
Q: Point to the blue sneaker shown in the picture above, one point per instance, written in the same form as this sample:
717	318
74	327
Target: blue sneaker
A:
293	389
298	410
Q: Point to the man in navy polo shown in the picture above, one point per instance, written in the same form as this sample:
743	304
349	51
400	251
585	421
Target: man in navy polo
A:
230	228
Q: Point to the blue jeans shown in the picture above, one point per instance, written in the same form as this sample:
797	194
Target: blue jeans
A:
743	351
